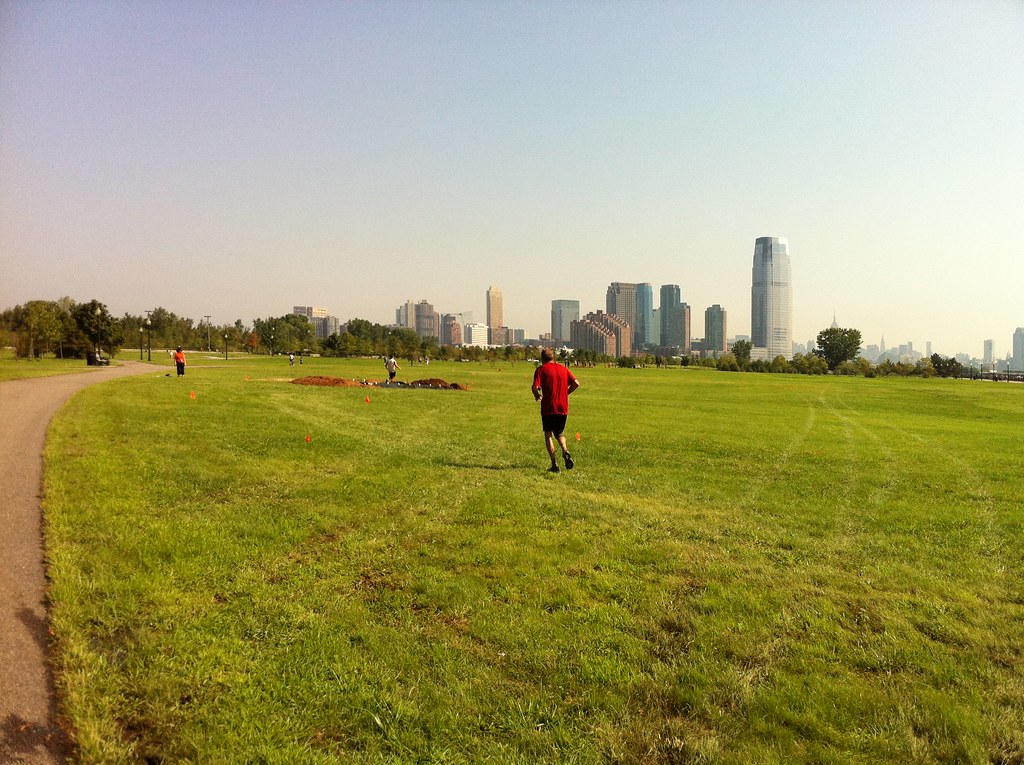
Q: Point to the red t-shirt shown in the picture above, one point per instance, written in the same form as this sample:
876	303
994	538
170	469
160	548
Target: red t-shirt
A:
553	380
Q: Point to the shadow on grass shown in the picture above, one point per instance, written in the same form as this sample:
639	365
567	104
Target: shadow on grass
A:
482	466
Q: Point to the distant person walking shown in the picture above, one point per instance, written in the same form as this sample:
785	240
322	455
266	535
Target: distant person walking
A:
291	359
552	384
392	367
179	361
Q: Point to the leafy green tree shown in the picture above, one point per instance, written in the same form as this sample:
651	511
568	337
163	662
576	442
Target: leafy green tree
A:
946	367
837	345
96	328
727	362
852	367
809	364
741	352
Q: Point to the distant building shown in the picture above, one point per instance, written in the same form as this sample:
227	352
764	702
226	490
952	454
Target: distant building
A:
989	356
602	333
1017	360
620	300
324	325
563	314
500	336
405	315
428	322
771	299
715	330
310	312
476	335
495	313
643	331
451	329
675	322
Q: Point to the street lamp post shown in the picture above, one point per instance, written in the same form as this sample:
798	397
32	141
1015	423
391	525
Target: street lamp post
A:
140	343
225	346
209	345
149	339
97	312
271	343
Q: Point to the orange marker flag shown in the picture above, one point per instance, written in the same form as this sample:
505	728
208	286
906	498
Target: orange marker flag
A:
192	395
367	399
578	436
308	437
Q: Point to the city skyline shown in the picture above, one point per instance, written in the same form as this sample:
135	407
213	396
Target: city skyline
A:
223	159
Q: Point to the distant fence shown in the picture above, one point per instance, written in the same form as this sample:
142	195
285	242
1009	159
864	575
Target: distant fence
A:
974	374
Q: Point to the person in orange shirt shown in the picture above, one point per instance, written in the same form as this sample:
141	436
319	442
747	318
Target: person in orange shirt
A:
179	361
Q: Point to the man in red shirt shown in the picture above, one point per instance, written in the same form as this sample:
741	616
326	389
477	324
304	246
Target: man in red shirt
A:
552	384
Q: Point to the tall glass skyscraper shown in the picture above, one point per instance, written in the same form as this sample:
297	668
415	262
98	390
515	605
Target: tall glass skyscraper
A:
716	331
771	298
673	318
563	314
643	332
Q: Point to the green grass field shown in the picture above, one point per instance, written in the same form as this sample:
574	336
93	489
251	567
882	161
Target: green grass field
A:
742	568
12	368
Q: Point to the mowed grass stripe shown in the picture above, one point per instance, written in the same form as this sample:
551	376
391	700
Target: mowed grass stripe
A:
741	568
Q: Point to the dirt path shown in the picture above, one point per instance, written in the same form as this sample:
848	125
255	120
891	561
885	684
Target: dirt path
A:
27	705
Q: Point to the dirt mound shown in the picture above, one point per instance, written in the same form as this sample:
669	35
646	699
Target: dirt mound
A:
340	382
334	382
434	382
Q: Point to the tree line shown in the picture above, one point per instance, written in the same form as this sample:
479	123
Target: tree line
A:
67	329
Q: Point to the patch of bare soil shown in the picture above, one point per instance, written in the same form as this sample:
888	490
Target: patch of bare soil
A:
334	382
341	382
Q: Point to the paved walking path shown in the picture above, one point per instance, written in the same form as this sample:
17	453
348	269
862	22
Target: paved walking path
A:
27	705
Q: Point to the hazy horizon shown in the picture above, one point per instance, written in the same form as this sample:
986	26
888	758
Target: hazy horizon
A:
234	160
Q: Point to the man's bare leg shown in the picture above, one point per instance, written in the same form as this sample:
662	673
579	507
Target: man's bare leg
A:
549	442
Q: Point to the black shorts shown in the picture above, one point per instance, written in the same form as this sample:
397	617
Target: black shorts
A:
554	423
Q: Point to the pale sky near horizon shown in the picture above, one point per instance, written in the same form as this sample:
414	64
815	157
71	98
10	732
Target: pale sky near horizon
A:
238	158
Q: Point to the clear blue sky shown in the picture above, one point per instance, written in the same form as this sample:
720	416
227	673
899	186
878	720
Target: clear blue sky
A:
238	158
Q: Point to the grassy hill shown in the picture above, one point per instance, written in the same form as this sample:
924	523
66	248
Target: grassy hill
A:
741	568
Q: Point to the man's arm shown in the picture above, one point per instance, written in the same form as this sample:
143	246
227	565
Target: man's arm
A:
573	385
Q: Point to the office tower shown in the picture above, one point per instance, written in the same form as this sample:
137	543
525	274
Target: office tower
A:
621	301
675	324
1018	350
405	315
771	298
656	327
643	332
715	330
427	320
563	314
495	313
989	355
